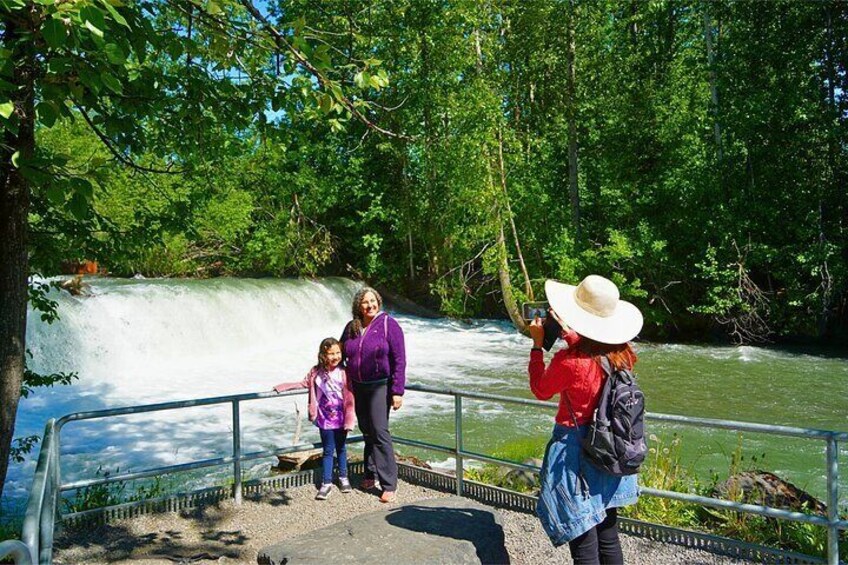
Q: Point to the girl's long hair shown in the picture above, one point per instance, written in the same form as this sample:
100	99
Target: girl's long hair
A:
325	346
620	355
358	322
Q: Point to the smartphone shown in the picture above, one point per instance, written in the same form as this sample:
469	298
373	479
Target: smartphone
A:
533	310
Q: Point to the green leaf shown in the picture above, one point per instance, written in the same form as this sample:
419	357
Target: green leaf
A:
93	29
16	158
375	82
55	194
6	109
115	54
325	102
359	79
82	187
115	14
54	33
78	205
213	9
112	83
47	113
93	20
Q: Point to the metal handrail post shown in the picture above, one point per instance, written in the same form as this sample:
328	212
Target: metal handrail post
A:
832	501
236	453
57	473
460	469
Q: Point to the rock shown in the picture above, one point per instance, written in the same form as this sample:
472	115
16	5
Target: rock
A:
75	286
401	304
761	487
445	530
523	479
412	460
299	460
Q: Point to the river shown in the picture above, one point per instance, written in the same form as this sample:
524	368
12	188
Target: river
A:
145	341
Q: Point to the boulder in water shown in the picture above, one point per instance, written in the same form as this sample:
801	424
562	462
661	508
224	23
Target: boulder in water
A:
762	487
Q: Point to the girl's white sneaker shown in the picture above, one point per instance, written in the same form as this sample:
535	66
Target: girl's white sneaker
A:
344	485
324	491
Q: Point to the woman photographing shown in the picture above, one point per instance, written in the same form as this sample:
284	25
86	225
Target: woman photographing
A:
375	359
578	502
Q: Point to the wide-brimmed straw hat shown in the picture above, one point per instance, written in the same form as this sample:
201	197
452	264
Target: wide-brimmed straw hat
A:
593	309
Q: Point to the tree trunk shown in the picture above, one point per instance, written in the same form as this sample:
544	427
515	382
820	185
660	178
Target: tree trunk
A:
528	288
510	303
571	116
708	38
14	207
825	188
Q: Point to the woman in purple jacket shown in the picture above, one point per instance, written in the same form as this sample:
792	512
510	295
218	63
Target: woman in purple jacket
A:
375	358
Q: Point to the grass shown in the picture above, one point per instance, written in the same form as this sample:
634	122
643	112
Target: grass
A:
111	494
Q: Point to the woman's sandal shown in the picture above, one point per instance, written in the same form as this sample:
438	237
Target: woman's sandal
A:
388	496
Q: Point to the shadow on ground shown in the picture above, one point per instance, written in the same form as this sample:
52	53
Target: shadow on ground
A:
467	524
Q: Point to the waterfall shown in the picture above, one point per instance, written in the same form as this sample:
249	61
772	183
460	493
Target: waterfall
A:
153	340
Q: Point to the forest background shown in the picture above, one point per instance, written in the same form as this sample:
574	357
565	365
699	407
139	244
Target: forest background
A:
457	152
694	152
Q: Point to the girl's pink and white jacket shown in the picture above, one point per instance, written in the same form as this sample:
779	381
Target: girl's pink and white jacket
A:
309	382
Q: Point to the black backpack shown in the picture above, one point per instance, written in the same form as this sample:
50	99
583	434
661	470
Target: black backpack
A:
615	442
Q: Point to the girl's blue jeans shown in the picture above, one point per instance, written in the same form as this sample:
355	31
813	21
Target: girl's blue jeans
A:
333	443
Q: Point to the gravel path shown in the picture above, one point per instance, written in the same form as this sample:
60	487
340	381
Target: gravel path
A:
226	533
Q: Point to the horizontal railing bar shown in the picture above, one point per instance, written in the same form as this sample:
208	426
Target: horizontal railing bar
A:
170	469
499	461
789	431
683	497
740	507
482	396
422	444
173	405
292	449
469	454
708	422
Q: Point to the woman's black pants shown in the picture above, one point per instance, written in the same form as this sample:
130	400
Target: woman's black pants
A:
600	545
372	411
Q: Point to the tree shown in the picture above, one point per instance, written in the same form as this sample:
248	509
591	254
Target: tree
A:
160	83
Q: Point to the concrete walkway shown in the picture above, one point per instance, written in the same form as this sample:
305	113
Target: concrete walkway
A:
226	533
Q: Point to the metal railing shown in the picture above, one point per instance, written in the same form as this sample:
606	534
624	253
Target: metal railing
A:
43	506
831	438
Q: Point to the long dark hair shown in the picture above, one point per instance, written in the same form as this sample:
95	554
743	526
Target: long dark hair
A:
325	346
358	322
621	355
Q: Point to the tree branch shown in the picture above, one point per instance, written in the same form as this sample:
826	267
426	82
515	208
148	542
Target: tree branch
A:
123	159
323	81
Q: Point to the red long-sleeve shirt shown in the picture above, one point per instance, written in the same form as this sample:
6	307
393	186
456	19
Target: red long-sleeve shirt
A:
570	370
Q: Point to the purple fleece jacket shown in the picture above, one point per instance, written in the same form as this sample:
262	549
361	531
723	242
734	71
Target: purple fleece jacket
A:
378	354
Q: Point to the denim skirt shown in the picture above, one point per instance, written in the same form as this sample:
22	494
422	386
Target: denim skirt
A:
575	494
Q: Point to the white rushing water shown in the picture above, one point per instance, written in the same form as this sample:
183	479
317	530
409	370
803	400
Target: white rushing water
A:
149	341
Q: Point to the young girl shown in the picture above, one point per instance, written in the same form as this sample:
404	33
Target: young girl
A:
331	409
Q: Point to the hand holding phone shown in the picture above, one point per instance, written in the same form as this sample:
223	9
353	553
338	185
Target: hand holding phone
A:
537	332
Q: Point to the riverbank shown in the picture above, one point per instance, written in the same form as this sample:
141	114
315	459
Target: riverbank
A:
227	533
